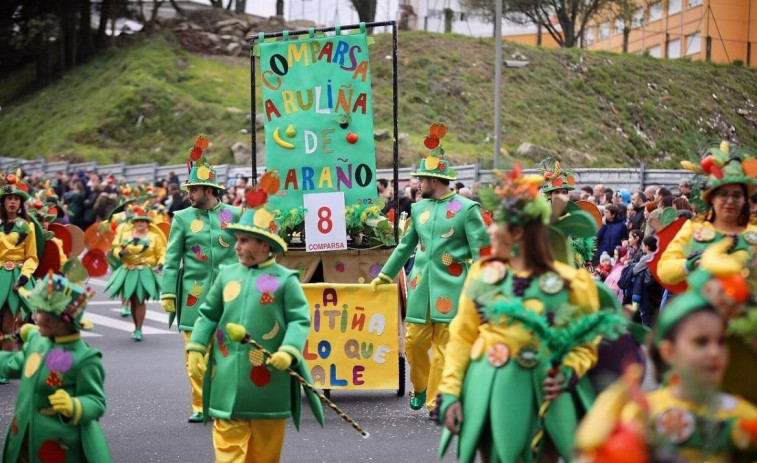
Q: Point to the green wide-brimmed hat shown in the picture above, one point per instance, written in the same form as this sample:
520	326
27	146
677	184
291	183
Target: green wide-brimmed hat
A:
12	184
723	165
201	173
434	163
42	210
58	296
135	213
258	221
556	177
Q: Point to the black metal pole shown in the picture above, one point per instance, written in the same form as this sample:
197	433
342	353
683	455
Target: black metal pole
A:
395	106
253	117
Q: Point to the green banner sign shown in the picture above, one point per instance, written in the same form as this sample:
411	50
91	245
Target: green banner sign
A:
318	118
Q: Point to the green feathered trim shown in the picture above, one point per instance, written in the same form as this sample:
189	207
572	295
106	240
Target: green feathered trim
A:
584	250
745	326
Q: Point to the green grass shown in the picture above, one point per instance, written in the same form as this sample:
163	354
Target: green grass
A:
618	109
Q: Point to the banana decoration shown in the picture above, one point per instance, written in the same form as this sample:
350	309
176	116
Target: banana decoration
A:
688	165
280	141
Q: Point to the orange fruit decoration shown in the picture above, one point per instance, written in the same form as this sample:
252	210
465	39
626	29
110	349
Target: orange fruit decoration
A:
270	182
437	130
11	178
625	445
444	304
735	286
202	142
97	238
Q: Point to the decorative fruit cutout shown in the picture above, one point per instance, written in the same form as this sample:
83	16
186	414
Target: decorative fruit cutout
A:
455	269
260	376
270	182
339	266
735	287
444	305
191	300
344	123
557	183
352	138
255	197
290	131
715	170
707	163
195	153
95	263
432	162
11	178
431	142
442	165
437	130
202	142
51	452
266	298
625	445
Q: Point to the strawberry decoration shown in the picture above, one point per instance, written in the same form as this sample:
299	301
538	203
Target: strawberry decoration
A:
53	380
339	267
442	166
260	376
272	226
267	285
266	298
221	346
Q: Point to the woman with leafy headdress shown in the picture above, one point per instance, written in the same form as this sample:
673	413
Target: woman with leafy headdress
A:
141	250
18	254
498	373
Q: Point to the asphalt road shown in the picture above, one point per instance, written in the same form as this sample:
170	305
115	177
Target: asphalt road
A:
148	405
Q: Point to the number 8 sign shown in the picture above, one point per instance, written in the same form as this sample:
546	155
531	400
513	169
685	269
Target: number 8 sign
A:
325	225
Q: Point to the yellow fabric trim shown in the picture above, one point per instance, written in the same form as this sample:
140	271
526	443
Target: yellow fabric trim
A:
446	195
293	351
77	412
67	338
196	346
267	263
168	296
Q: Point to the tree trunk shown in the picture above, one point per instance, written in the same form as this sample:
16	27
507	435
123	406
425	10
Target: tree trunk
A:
366	10
86	46
101	28
240	6
449	16
280	8
178	9
626	34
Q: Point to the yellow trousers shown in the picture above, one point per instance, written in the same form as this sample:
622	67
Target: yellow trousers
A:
194	383
248	441
424	374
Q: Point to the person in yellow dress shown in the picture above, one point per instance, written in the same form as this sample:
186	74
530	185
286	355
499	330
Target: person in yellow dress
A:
141	250
18	255
495	375
688	419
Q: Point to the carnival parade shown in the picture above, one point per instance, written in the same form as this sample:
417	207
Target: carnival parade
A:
325	305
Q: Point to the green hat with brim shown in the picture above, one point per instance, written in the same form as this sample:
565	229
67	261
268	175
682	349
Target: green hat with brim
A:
260	223
714	184
9	189
202	174
440	169
143	218
58	296
555	177
723	165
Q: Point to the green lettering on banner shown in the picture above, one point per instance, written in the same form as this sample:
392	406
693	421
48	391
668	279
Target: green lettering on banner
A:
319	118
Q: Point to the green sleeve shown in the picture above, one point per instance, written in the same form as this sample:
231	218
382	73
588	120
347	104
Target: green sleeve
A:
11	364
402	252
297	316
209	315
172	259
89	394
475	230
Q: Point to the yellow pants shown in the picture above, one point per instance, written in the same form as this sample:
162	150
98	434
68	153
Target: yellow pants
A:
424	374
194	383
248	441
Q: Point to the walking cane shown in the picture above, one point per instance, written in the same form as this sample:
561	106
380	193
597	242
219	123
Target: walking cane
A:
239	334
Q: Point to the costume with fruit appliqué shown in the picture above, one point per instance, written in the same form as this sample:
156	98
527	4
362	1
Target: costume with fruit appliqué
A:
446	235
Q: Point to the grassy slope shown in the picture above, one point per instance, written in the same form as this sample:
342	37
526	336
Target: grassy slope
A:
618	109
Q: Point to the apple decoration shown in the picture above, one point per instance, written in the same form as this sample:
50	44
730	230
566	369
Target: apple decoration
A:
352	138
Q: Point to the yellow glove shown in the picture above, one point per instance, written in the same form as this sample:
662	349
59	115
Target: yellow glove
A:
280	360
62	403
26	330
168	304
715	259
196	364
381	279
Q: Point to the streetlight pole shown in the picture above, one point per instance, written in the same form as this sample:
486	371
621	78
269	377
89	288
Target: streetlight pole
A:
497	78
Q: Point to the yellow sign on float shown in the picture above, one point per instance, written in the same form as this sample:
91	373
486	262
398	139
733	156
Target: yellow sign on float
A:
353	341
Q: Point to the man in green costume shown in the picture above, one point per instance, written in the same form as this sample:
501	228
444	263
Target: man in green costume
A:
448	231
196	247
248	395
61	396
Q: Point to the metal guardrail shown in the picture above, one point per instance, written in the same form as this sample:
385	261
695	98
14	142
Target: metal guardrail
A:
632	178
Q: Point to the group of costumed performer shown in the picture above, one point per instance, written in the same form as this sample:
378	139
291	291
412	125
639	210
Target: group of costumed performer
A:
140	247
248	392
690	418
513	383
18	255
730	179
61	396
446	233
197	246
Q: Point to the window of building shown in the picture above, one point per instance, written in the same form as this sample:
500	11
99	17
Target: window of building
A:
619	23
674	48
638	18
694	43
693	3
604	31
655	52
655	12
674	6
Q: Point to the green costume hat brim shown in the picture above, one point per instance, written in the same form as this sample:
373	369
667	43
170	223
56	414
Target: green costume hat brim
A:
566	187
20	193
749	182
421	173
185	186
142	218
278	245
678	309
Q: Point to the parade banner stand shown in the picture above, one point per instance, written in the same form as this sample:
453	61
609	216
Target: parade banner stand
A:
318	124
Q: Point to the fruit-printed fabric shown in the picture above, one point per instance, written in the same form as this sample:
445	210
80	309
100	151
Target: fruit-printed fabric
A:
446	235
42	434
197	245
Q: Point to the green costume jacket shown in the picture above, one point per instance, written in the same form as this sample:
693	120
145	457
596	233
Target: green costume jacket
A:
268	301
197	245
448	233
44	366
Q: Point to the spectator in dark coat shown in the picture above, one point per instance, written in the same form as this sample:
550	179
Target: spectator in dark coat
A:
612	232
638	201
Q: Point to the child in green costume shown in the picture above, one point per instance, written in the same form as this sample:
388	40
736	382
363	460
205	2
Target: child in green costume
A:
197	246
496	376
248	395
61	396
